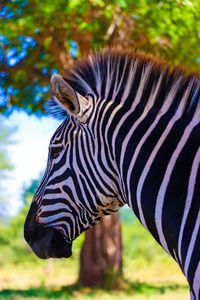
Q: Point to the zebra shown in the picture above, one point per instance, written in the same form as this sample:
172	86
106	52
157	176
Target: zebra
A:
130	134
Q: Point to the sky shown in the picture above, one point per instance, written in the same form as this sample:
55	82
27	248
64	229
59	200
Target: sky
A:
28	154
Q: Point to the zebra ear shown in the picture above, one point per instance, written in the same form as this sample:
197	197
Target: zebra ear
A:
69	99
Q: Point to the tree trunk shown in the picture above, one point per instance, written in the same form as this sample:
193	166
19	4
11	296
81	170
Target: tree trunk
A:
101	254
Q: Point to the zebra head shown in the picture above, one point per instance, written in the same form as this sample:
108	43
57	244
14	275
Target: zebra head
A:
80	185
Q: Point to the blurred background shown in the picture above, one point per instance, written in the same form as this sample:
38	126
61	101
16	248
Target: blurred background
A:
41	38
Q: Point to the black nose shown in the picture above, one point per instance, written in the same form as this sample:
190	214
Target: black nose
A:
45	241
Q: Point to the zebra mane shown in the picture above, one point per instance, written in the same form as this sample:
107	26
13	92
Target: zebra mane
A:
117	75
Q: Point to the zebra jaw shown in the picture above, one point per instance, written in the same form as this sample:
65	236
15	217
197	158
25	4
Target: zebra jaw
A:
69	99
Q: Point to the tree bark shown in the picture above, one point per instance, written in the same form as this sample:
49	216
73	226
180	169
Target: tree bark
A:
101	254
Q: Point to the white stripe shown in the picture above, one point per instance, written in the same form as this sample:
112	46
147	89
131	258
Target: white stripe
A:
136	101
143	81
122	78
188	202
163	110
129	82
70	231
191	296
108	79
60	228
148	107
57	173
54	206
102	174
45	220
116	81
83	83
165	182
191	246
196	282
104	160
97	74
171	164
70	234
114	112
79	173
175	256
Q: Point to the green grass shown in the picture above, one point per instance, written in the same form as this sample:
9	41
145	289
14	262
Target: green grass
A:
138	290
149	273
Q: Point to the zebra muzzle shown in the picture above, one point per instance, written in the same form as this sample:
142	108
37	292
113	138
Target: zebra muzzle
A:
45	242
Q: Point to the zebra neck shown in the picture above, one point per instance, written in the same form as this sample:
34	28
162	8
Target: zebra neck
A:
146	142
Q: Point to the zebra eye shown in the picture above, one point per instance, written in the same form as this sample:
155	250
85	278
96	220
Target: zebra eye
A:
55	152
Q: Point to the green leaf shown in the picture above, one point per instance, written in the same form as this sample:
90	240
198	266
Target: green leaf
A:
47	42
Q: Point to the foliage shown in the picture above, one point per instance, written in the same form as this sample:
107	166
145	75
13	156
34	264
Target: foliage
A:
39	38
5	133
5	165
